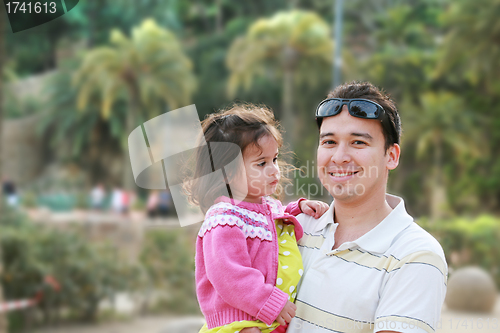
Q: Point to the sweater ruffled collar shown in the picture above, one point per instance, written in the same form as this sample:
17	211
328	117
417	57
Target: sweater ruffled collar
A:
262	207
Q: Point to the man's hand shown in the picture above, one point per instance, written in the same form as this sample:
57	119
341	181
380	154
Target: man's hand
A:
287	313
250	330
313	208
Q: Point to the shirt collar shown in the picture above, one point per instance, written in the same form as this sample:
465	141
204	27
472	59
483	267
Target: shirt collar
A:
380	238
325	219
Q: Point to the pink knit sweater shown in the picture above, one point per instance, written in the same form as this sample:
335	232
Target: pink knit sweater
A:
237	261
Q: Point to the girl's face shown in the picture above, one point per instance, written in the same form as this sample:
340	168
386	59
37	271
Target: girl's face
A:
262	172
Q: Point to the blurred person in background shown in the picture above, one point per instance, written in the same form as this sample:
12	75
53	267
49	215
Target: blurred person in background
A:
126	201
367	264
152	204
97	196
164	203
117	200
10	193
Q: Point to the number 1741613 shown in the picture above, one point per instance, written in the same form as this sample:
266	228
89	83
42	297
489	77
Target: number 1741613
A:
29	7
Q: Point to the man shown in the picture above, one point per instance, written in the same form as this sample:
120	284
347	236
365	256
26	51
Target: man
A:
367	266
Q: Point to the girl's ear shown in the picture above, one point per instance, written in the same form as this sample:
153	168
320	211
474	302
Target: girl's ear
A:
393	154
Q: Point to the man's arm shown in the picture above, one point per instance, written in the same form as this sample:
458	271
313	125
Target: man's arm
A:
413	295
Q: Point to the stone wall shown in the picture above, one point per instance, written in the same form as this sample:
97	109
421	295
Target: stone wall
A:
21	149
21	145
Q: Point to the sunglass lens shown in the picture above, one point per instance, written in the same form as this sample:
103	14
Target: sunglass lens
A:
364	109
329	108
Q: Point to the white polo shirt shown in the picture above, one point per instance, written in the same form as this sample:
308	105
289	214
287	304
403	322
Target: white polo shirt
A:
391	278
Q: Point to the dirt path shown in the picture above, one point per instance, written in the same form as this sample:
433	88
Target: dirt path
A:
160	324
451	322
461	322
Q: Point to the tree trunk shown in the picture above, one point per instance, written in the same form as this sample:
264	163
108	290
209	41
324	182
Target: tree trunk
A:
438	190
288	123
134	104
290	59
3	318
218	17
287	114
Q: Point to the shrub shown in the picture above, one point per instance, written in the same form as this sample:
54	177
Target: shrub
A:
87	273
468	241
168	258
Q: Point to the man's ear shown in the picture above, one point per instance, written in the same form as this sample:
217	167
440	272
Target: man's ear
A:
393	156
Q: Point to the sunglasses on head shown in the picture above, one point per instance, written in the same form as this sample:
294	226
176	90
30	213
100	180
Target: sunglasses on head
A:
357	107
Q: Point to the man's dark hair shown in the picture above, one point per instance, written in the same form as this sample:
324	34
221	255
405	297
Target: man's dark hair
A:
366	90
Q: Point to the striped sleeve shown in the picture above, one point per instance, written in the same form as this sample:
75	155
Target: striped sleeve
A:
412	297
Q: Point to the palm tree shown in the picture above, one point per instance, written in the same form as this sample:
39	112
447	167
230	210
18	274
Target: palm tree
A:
442	124
470	63
295	46
85	138
471	48
149	70
405	58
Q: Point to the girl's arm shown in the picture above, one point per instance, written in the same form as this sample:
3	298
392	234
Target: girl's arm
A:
293	208
229	269
313	208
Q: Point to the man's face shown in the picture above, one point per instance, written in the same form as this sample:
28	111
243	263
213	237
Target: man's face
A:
352	162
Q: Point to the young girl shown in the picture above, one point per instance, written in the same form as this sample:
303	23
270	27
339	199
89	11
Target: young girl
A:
247	261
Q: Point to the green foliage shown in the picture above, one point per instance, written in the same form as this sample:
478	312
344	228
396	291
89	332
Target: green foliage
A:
149	71
441	121
28	199
36	52
471	48
293	48
424	53
469	61
406	39
413	49
209	55
87	273
149	68
90	21
139	204
469	241
446	135
296	40
168	259
16	107
79	137
62	120
82	201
